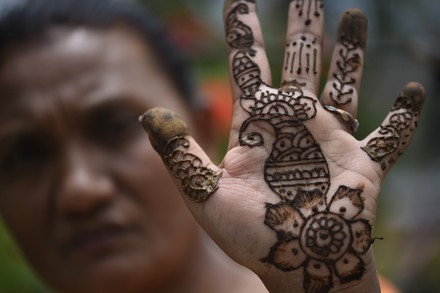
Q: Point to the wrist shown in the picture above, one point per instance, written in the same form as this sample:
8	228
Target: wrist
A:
277	281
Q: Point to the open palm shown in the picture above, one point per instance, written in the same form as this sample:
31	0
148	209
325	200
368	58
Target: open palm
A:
296	193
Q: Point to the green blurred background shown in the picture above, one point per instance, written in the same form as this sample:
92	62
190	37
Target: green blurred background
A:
403	45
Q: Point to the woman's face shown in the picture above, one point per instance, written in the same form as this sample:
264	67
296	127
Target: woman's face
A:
82	191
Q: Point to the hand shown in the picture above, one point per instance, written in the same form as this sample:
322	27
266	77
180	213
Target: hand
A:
295	196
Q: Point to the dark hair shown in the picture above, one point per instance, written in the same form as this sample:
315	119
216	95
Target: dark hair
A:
22	20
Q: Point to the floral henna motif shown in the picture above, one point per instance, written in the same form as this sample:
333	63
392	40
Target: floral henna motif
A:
325	239
394	133
198	182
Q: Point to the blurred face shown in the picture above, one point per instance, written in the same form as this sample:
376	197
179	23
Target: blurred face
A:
82	191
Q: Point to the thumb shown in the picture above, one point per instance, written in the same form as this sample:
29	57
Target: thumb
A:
193	172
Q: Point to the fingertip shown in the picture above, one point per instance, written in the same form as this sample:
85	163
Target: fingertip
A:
353	26
416	93
162	125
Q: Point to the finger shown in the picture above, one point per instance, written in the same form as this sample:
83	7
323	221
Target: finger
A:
193	172
247	58
248	64
344	79
302	57
387	143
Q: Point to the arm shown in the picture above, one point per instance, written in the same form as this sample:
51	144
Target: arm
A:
295	197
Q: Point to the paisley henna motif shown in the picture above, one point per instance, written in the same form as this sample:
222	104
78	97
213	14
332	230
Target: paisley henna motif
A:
239	36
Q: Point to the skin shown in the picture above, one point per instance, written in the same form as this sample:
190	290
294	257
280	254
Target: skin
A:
284	238
89	203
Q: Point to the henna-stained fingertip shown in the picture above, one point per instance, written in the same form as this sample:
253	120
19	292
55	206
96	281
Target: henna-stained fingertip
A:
353	28
169	137
162	125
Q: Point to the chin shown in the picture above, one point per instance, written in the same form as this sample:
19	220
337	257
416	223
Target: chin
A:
129	273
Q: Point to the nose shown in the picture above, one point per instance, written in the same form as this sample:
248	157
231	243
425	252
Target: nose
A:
86	185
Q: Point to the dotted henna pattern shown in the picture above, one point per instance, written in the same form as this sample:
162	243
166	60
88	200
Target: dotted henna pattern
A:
309	9
302	56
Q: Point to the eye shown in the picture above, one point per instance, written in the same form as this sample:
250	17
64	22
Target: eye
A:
114	128
25	153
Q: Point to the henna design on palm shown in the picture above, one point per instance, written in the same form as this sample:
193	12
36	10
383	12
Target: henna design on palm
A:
296	161
325	239
291	164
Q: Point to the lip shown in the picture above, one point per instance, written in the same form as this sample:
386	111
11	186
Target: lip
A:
98	239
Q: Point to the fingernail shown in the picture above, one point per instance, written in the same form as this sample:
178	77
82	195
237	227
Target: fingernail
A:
353	28
162	125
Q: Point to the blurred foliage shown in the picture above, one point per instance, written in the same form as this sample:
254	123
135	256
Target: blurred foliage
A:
15	275
403	45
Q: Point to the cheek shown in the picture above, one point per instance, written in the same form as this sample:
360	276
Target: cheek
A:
160	207
169	228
